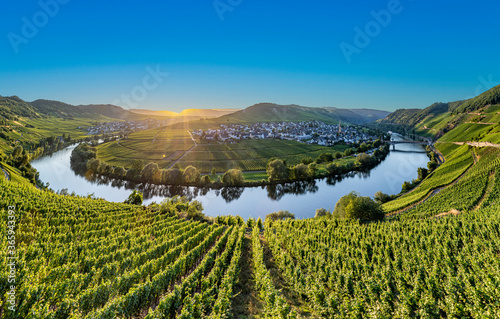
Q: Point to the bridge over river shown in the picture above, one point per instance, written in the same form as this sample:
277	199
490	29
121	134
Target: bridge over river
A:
393	143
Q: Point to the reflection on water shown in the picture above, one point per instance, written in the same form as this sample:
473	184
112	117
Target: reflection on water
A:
229	194
301	198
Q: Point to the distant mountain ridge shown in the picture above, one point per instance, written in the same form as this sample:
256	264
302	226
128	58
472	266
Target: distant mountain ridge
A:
270	112
192	113
262	112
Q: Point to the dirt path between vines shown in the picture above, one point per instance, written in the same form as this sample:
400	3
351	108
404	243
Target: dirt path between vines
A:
487	191
246	303
280	283
189	150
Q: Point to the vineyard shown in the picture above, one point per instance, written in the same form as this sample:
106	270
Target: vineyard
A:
435	255
430	268
458	161
87	258
166	146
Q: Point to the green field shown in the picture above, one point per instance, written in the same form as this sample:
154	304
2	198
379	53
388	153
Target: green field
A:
166	146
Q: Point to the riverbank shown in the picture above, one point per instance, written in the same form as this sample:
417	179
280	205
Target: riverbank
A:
85	163
300	198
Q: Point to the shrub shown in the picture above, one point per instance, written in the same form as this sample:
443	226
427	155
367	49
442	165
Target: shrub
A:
320	212
135	198
354	206
233	177
282	214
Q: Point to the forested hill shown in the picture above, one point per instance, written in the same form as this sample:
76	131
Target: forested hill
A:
12	106
268	112
412	117
61	109
439	118
489	97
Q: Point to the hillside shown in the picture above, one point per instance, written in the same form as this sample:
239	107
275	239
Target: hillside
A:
268	112
489	97
64	110
86	258
12	106
439	118
56	108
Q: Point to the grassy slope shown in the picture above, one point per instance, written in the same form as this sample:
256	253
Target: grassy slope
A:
458	160
479	125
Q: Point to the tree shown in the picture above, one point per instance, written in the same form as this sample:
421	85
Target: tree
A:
205	180
277	170
324	157
363	159
406	186
422	173
214	171
311	169
432	165
333	169
18	151
381	198
138	165
354	206
280	215
338	155
131	174
149	171
191	175
301	171
135	198
307	160
119	171
233	177
174	176
93	165
363	147
320	212
348	152
105	169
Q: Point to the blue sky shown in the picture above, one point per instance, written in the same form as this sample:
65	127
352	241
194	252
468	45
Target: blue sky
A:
245	52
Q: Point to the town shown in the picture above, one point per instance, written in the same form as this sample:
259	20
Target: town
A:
310	132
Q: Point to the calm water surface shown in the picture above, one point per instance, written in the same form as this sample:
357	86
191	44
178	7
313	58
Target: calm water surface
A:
301	198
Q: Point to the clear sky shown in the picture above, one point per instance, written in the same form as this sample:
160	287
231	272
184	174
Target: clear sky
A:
235	53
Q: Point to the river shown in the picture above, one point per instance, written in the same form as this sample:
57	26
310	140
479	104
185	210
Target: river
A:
301	198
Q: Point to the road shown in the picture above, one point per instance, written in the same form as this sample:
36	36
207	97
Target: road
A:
189	150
